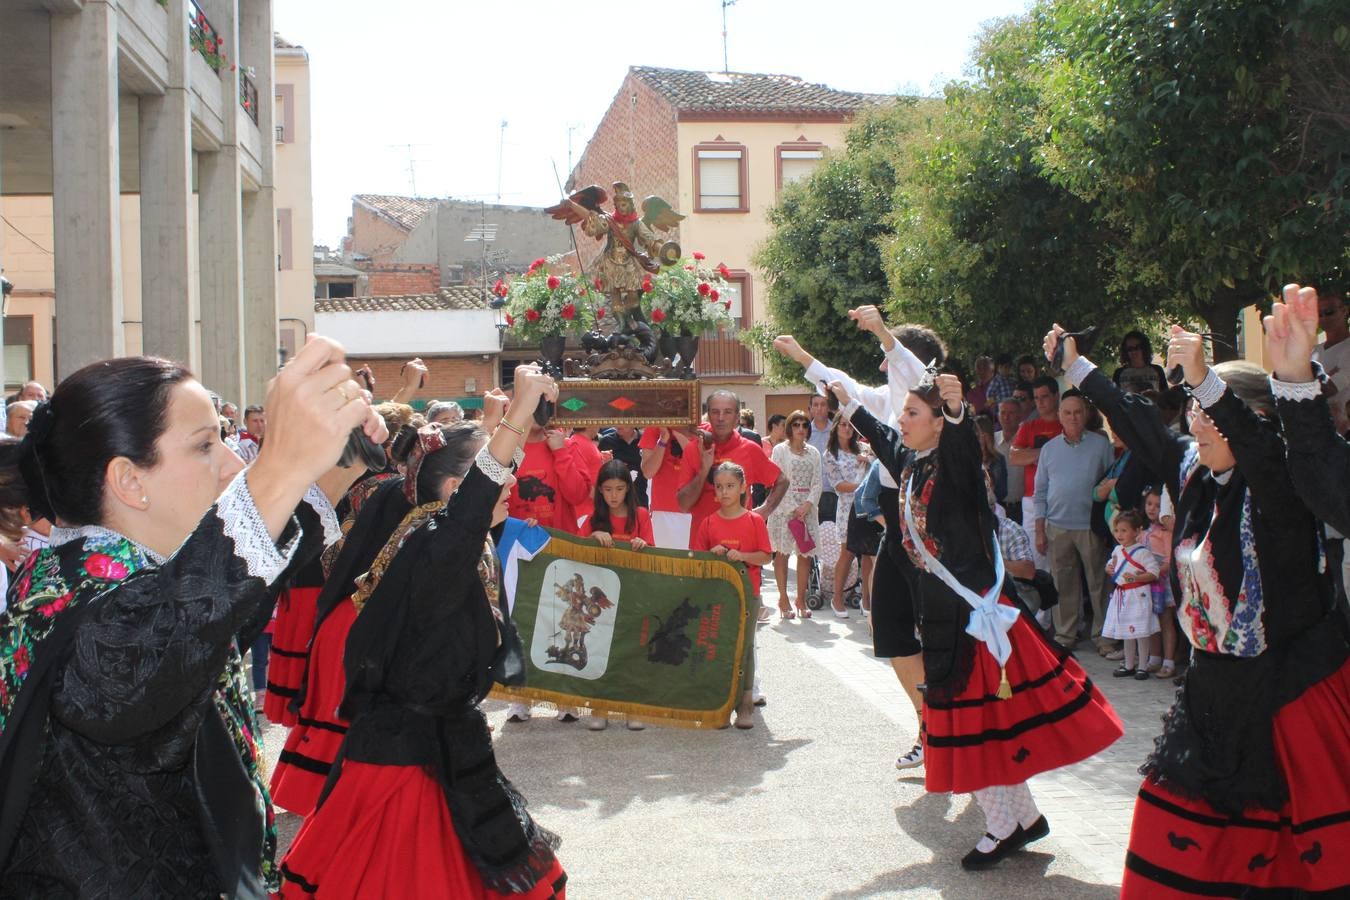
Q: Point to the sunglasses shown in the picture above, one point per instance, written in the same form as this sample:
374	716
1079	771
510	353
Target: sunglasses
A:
800	425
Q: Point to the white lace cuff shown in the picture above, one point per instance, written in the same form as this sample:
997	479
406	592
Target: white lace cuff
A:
1208	392
848	409
318	501
1295	390
487	463
244	526
1081	368
958	418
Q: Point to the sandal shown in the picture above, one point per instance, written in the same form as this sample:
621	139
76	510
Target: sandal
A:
1167	671
785	614
804	612
765	614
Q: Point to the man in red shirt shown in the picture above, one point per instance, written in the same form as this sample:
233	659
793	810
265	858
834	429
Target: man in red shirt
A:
667	469
697	496
1031	436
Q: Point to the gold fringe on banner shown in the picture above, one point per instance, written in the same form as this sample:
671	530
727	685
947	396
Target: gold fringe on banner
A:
681	564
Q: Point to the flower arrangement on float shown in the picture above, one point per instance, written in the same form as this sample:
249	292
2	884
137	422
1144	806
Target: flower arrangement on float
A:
687	299
541	305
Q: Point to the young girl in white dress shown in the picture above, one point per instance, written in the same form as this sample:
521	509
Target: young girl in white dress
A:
1130	618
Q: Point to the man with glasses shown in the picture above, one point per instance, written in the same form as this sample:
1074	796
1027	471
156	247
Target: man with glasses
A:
1334	354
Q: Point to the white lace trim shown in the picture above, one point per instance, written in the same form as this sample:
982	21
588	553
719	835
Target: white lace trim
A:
244	526
318	501
853	405
1078	370
1295	390
61	536
488	465
1208	392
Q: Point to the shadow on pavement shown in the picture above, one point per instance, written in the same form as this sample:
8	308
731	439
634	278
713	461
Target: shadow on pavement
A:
564	766
1021	875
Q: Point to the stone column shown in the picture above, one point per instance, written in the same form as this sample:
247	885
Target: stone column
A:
221	239
85	187
168	288
261	339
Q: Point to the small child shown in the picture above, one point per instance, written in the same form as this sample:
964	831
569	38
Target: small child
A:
617	516
741	536
1159	540
1130	617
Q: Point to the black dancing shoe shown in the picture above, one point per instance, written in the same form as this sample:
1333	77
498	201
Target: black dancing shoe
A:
975	861
1035	831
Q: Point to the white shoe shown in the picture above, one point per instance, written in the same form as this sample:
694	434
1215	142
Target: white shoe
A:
911	760
517	712
597	723
635	725
840	613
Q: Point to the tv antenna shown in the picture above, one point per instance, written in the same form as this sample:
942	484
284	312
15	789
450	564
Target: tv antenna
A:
726	67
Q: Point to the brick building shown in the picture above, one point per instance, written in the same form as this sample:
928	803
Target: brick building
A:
452	329
719	146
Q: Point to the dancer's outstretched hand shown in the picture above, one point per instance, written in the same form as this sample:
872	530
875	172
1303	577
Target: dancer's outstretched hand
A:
1291	333
952	393
1185	349
1052	339
787	345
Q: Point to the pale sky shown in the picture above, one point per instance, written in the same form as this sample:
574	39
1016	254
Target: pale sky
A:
442	77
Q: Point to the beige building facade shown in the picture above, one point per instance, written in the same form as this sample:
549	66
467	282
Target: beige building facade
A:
137	178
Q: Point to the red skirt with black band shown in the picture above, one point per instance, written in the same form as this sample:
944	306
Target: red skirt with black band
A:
1056	716
313	743
293	628
1183	847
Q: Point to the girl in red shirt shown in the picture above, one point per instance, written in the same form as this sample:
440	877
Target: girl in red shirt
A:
741	536
617	516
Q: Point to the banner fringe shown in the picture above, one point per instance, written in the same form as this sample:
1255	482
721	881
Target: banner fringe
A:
698	719
654	561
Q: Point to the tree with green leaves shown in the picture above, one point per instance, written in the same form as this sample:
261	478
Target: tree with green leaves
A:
985	248
1212	137
823	257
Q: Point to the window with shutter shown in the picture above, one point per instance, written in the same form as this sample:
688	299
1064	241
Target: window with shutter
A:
719	178
797	161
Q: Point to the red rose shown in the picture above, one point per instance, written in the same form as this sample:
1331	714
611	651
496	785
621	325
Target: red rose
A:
646	285
102	566
553	281
723	270
596	282
499	288
727	305
713	295
600	313
658	315
689	268
210	46
531	315
698	255
569	312
510	321
704	287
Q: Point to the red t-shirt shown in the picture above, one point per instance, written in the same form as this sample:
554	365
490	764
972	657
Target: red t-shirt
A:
750	456
1035	433
675	471
746	533
535	494
621	530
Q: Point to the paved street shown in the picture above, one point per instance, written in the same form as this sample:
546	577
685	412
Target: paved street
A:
809	804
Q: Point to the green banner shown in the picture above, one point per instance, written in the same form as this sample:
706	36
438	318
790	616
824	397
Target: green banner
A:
658	635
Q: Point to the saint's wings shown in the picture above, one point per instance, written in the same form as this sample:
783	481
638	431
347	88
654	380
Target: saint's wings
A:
658	215
577	207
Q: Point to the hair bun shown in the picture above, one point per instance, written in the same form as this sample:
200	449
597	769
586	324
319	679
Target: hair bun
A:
40	425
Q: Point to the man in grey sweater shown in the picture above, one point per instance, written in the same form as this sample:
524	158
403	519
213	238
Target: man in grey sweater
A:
1070	466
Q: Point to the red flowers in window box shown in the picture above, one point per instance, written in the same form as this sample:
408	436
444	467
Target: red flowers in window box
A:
569	312
723	271
698	255
531	315
658	315
553	282
510	321
499	288
704	288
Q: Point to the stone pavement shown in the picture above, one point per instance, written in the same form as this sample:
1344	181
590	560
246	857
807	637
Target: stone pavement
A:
808	803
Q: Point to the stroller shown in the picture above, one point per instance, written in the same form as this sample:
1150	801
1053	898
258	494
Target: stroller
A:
818	592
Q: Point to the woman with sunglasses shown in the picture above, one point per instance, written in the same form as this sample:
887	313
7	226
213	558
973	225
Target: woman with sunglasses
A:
1237	798
1137	371
801	463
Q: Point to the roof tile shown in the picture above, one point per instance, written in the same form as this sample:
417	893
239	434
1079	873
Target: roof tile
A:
454	297
691	91
404	212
